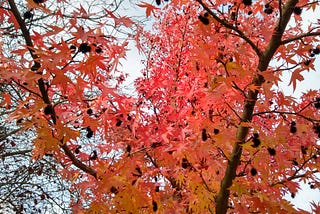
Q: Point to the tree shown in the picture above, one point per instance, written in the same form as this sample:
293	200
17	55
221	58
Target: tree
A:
25	184
208	132
239	142
30	184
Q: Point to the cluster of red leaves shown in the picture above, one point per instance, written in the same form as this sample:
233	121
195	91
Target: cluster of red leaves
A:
167	149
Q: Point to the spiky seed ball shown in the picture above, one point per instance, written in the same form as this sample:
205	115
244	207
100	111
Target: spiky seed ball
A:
84	48
256	142
154	206
304	150
204	20
253	171
89	132
73	48
204	135
297	10
114	190
27	15
89	111
184	163
268	10
119	122
247	2
272	151
293	129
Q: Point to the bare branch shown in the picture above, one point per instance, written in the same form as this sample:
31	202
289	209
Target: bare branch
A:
22	152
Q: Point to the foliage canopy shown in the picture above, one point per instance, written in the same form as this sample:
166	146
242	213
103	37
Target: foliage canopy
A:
208	130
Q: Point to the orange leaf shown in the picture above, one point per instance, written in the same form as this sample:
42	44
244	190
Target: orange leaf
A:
149	8
296	76
32	5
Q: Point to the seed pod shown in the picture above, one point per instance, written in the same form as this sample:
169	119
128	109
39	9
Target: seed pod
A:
184	163
154	206
253	171
89	111
94	155
272	151
204	135
247	2
203	19
89	132
114	190
297	10
119	122
27	15
84	48
256	142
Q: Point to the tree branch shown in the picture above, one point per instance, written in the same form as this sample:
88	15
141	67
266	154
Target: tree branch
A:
231	27
43	89
285	112
77	162
3	137
301	36
22	152
249	104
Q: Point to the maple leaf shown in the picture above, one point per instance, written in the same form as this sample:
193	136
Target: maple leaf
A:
296	76
126	21
198	129
149	8
6	100
32	5
13	20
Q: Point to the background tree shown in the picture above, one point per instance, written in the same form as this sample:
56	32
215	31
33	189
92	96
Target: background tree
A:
208	131
28	183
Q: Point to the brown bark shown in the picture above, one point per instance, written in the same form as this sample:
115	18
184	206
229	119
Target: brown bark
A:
248	108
